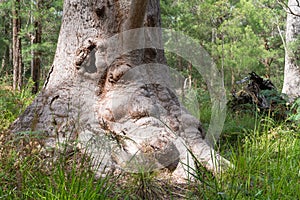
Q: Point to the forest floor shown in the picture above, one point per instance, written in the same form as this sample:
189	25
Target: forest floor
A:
264	151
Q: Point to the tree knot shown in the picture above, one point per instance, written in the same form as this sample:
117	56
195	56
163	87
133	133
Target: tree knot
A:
82	52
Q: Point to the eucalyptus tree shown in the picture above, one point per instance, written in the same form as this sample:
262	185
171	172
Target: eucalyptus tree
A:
5	37
16	46
109	89
36	39
31	46
39	37
291	85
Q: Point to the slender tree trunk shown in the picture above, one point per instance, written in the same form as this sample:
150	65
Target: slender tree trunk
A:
35	53
4	61
17	55
106	90
291	85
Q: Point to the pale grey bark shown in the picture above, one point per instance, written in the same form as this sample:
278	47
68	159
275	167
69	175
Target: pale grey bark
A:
291	85
103	91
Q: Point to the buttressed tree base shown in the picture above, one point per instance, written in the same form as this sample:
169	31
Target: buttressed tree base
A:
110	92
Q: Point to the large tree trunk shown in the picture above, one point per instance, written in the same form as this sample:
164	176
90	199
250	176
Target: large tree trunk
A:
17	55
107	90
291	85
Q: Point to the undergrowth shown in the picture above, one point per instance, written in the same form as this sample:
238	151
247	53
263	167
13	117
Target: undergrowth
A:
265	154
25	173
13	103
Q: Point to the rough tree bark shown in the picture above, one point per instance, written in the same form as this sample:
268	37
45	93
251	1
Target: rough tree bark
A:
36	38
291	85
99	94
17	56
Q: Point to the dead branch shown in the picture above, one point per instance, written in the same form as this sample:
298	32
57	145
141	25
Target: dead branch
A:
287	8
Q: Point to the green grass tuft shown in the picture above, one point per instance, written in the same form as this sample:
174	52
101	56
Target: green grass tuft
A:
265	153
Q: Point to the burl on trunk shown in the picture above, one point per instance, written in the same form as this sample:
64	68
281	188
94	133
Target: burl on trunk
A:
109	90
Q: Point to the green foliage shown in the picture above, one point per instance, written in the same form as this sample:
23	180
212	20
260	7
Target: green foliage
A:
267	163
295	111
144	185
239	35
49	15
5	8
266	166
13	103
31	176
265	154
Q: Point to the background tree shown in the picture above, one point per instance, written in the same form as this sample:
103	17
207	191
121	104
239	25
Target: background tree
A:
16	46
36	38
39	37
291	83
242	36
5	38
36	46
